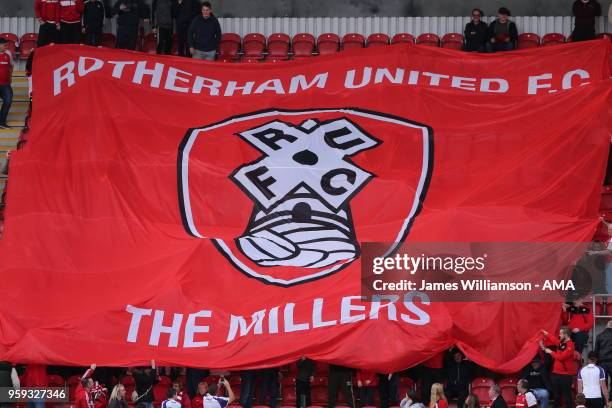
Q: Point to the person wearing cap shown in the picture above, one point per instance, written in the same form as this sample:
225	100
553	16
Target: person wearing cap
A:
538	378
592	382
6	73
503	34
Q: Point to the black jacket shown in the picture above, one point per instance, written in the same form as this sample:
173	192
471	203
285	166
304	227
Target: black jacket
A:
118	403
137	9
499	403
305	370
459	374
185	12
476	34
512	31
144	382
93	15
5	374
539	378
603	346
204	33
585	13
162	13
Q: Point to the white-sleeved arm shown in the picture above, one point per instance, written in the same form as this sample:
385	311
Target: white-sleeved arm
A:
15	378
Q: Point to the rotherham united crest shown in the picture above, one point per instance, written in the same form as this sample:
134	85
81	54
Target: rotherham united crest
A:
298	190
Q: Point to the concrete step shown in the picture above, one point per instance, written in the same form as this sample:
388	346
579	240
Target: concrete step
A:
16	115
7	132
19	81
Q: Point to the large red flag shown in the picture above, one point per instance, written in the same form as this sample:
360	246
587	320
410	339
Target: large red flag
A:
215	215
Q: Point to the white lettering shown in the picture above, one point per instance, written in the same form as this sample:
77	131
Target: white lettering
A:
534	83
173	76
63	73
299	81
346	307
158	328
191	329
155	73
137	314
349	81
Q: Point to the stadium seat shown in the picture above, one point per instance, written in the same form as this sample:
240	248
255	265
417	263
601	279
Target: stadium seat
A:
452	41
149	43
528	40
164	379
278	47
321	369
109	40
303	47
404	385
288	391
27	43
601	233
228	47
318	391
553	39
402	38
55	380
13	42
605	207
253	46
428	39
352	41
73	382
160	392
377	39
480	388
508	390
328	43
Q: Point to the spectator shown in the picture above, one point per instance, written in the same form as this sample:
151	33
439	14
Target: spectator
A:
144	379
70	21
268	387
496	399
117	397
366	382
171	402
592	382
437	399
585	12
83	397
525	398
603	349
181	396
411	401
198	400
130	12
471	402
476	33
578	317
503	34
184	13
163	24
564	368
194	377
432	372
6	73
99	395
211	400
580	401
93	20
538	377
458	376
305	376
247	388
48	14
35	376
340	378
204	34
610	17
387	389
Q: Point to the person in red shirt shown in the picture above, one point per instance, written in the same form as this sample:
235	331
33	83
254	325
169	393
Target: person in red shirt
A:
48	14
366	382
564	364
6	72
578	317
70	21
438	399
181	396
35	376
83	398
525	398
198	399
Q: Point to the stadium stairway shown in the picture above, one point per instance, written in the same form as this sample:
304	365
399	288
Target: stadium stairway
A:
16	120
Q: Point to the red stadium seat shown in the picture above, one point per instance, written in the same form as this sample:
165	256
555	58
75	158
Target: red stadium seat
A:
303	45
508	390
321	369
278	47
164	379
480	388
528	40
27	43
428	39
229	47
553	39
402	38
328	43
149	43
405	384
377	39
254	45
13	41
453	41
160	392
318	391
601	233
109	40
352	40
605	207
55	380
73	383
288	391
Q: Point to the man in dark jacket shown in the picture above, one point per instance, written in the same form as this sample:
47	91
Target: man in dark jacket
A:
497	400
184	13
204	34
538	377
603	348
503	34
93	21
130	12
163	23
476	33
144	380
305	375
340	378
459	373
585	12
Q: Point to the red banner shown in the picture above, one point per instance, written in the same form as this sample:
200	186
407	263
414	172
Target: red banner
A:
213	215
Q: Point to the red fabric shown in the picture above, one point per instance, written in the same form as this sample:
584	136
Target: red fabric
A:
82	400
581	321
436	361
35	376
564	362
71	11
441	404
197	401
183	398
6	68
47	10
94	220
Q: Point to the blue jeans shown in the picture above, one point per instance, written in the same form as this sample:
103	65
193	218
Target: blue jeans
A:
6	93
542	396
36	404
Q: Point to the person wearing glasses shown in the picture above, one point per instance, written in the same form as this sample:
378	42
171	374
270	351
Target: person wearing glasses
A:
476	33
